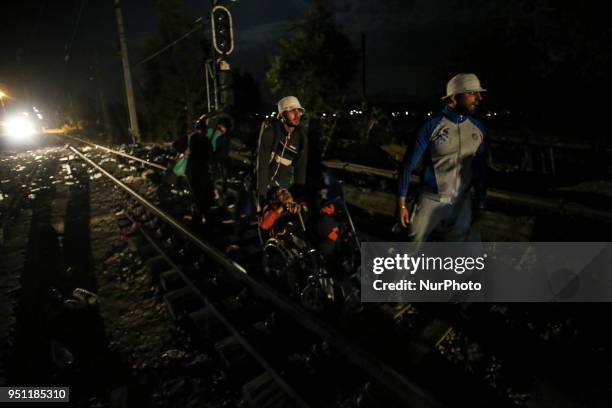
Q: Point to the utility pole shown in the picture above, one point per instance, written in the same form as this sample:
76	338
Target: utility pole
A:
127	75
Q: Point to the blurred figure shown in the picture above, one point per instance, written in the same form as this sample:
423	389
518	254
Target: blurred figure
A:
452	147
197	146
281	203
328	230
284	214
219	127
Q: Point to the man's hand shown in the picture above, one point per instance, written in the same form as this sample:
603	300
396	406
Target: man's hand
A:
293	207
404	213
404	216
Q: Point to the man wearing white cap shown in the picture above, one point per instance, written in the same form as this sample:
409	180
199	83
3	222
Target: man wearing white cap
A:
451	146
282	154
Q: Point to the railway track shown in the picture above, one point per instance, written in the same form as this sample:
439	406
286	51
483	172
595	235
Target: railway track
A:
302	336
19	172
378	381
17	190
387	355
427	334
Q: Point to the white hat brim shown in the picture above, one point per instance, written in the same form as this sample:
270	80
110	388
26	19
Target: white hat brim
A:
278	115
466	91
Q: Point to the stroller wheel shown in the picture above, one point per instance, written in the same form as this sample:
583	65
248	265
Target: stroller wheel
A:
274	262
313	297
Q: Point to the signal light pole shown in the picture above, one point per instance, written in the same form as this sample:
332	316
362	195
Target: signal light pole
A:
127	76
217	70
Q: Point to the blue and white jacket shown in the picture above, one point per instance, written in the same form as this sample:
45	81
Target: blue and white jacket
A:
452	147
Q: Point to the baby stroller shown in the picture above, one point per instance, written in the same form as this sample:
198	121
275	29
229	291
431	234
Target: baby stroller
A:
296	257
290	261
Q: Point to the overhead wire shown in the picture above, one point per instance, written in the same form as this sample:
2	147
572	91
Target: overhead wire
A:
74	31
173	43
198	26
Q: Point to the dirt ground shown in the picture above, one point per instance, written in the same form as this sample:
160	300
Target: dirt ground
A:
116	348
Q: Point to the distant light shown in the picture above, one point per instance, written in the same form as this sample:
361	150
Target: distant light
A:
35	110
19	128
25	114
39	116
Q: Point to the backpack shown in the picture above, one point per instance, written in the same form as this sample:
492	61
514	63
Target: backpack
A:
265	124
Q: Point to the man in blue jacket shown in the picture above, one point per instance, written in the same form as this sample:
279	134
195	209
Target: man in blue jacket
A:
451	146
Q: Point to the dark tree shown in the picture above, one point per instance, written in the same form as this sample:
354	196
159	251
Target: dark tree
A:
172	82
317	63
84	115
247	94
532	53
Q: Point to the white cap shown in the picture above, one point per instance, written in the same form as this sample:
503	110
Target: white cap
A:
463	83
288	103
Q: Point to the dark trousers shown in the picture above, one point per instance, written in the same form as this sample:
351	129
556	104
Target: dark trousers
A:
202	187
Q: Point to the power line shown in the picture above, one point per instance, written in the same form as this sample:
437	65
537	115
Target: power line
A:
198	27
74	31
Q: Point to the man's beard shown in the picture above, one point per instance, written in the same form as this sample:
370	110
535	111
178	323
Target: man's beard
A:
466	109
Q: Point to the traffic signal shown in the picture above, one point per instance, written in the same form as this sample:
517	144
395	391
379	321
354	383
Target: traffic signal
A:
226	88
223	30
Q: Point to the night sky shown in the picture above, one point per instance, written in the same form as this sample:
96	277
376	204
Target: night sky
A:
409	42
37	34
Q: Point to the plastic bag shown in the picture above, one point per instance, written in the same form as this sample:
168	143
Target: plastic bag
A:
180	167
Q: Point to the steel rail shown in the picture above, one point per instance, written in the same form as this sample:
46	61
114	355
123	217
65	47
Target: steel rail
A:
118	153
545	204
212	252
230	327
399	386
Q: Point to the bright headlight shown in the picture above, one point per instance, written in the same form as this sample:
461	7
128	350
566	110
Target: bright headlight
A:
19	127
